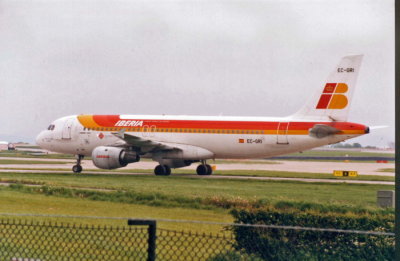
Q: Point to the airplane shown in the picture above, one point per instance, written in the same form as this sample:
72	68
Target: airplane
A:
114	141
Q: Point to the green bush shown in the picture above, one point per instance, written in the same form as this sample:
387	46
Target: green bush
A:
233	256
294	244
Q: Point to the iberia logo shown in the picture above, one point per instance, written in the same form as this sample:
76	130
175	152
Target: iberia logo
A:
333	96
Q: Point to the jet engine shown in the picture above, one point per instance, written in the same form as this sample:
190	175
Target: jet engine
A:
105	157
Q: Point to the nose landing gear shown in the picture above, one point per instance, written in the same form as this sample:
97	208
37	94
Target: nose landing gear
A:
204	169
78	168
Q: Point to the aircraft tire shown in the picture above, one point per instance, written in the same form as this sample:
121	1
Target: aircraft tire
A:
201	170
162	170
77	168
167	170
209	169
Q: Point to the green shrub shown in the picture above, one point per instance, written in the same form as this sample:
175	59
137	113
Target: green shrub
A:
293	244
234	256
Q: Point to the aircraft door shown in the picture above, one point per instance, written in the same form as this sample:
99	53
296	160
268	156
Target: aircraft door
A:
282	133
66	131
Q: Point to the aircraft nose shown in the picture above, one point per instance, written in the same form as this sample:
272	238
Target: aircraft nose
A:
39	139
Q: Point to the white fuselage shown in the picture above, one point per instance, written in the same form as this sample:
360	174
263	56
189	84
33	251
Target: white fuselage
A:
70	136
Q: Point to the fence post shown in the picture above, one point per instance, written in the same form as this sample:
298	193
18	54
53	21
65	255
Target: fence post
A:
152	229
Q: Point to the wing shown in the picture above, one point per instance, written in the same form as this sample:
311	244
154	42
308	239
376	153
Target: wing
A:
144	145
164	149
320	131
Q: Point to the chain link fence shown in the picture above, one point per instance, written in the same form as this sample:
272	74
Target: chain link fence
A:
22	240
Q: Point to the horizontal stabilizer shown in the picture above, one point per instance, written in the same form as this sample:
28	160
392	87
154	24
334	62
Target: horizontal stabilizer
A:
378	127
320	131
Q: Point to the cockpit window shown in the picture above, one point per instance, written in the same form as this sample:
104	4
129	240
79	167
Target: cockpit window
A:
51	127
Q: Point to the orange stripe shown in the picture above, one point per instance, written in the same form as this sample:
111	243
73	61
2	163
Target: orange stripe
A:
271	128
87	121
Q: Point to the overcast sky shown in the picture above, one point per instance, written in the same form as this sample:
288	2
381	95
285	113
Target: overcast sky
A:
247	58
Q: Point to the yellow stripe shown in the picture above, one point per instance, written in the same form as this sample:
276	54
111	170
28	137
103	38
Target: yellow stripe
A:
87	121
353	132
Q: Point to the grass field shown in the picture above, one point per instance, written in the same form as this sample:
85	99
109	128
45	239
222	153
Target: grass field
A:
176	188
28	203
64	243
174	197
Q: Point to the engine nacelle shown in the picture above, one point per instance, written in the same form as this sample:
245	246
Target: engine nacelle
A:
105	157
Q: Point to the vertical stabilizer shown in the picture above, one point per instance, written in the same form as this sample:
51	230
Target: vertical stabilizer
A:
333	99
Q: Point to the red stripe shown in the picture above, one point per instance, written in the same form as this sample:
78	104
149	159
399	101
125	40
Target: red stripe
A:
106	120
330	88
110	120
324	101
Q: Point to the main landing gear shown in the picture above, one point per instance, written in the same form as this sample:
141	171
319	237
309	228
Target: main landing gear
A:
162	170
78	168
204	169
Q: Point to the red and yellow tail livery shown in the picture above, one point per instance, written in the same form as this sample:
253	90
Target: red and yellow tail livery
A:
333	97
